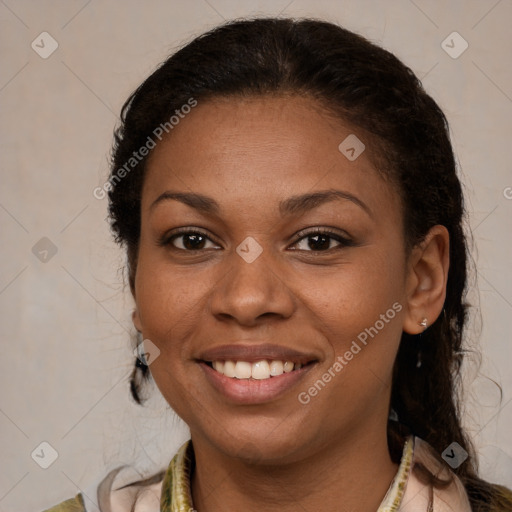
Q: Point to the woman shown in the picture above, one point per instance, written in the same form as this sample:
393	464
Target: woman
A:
287	195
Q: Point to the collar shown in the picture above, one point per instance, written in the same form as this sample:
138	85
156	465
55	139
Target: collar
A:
177	497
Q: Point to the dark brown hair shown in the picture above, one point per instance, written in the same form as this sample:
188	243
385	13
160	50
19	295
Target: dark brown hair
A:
370	88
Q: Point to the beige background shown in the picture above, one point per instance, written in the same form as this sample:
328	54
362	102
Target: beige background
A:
65	322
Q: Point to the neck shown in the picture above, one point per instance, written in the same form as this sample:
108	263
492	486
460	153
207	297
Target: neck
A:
355	471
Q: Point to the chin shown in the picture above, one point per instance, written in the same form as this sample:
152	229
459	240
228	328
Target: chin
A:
259	446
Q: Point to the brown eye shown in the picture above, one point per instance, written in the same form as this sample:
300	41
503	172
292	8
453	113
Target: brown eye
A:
321	241
188	241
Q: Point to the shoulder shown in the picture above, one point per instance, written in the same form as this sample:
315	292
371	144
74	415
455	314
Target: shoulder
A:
421	494
506	495
118	492
75	504
139	496
505	491
453	496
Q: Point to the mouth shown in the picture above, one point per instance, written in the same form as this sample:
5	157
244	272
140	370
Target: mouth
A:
252	374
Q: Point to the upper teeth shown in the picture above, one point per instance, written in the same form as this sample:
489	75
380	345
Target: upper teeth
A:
259	370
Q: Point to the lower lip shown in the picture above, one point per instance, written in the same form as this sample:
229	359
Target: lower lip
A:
253	391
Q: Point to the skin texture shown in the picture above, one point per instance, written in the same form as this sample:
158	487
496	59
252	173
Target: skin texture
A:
248	155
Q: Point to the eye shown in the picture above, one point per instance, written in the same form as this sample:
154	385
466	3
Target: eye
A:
186	239
320	240
314	240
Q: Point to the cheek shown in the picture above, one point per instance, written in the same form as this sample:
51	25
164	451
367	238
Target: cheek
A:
168	301
359	311
354	297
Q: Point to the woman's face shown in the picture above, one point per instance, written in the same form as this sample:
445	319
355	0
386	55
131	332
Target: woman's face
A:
287	251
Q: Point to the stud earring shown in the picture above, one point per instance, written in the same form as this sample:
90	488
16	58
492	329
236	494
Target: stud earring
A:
423	323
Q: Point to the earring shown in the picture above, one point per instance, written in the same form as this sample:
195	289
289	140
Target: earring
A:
423	324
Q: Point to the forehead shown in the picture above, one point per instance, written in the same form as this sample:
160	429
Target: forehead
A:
259	150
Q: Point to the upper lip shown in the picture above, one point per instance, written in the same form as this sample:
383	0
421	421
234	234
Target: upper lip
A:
254	353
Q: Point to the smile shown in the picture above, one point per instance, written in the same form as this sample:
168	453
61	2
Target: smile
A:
254	373
259	370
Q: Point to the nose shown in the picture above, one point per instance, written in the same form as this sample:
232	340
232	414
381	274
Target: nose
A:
252	291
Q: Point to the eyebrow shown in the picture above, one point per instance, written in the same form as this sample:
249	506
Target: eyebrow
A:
294	205
299	204
202	203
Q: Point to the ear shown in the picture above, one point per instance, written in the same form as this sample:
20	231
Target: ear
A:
136	319
426	280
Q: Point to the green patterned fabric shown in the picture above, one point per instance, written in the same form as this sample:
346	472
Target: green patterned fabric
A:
75	504
396	491
176	493
506	492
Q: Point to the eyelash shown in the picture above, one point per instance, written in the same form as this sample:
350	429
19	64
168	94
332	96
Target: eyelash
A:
166	240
